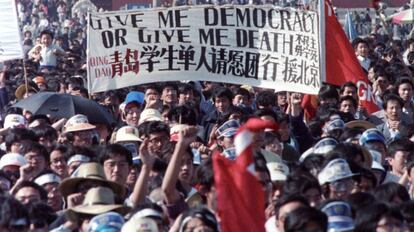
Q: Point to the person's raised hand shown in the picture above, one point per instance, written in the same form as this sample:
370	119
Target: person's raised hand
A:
75	199
187	135
145	156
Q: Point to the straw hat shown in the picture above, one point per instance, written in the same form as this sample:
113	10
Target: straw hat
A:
359	124
88	171
21	90
78	122
99	200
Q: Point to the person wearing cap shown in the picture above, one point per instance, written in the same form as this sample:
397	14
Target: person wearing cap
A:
339	216
196	219
133	108
391	128
87	176
50	182
108	222
10	164
278	175
373	139
97	201
40	82
78	131
140	225
225	137
128	136
336	179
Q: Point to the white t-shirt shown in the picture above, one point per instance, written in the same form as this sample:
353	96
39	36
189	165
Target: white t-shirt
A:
48	58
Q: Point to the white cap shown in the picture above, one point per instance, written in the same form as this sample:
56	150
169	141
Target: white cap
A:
278	171
14	120
150	115
127	133
336	169
12	159
78	122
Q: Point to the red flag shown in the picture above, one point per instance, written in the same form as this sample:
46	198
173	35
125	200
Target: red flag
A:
375	3
341	62
240	196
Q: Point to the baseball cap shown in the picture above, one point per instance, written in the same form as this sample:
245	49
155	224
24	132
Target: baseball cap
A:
134	97
14	120
335	170
140	225
78	122
150	115
39	79
372	135
228	129
335	124
127	133
12	159
278	171
339	216
107	222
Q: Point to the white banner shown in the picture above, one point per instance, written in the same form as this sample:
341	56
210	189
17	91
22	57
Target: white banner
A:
261	46
10	41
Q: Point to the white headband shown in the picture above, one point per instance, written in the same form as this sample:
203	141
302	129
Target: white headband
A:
78	157
47	178
147	213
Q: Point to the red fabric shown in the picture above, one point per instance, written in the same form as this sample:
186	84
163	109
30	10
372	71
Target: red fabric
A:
240	196
375	3
341	62
309	105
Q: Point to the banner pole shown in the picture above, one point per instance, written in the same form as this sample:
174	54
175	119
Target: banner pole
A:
322	41
25	76
87	55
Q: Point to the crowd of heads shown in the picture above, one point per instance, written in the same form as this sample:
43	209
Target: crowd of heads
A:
330	166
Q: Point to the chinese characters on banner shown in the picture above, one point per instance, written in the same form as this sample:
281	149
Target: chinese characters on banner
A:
256	45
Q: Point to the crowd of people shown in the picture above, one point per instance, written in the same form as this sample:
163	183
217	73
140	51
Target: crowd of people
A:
337	168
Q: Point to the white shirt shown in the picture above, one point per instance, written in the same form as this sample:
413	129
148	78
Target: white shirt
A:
364	62
48	58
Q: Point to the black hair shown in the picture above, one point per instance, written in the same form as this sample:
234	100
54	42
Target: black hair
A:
392	97
407	211
349	151
312	161
402	144
266	112
47	32
327	91
184	88
202	213
30	146
39	116
11	209
222	92
113	150
183	114
348	98
205	175
285	199
269	136
299	182
26	183
266	99
41	212
403	80
389	191
18	135
347	84
357	41
45	131
242	91
155	127
170	84
350	133
367	218
300	217
360	200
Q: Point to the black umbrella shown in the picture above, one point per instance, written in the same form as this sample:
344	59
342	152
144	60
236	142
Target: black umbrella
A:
65	106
